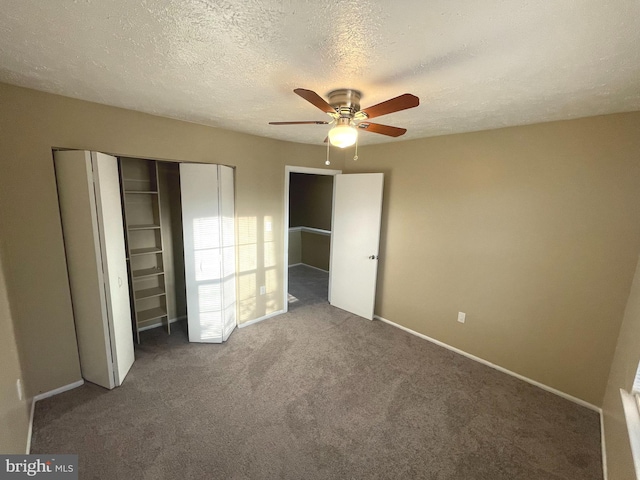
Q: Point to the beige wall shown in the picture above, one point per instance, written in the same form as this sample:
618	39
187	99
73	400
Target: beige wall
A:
310	200
533	231
315	249
623	370
295	247
14	414
31	123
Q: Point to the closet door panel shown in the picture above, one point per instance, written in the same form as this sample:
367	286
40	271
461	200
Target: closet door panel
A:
114	264
228	233
201	227
74	178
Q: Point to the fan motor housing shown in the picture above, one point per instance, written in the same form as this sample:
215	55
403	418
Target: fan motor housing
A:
346	101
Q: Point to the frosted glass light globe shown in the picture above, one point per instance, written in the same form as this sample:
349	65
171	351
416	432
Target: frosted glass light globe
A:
343	136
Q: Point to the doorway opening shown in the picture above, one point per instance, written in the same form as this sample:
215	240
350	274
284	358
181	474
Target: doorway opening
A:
308	218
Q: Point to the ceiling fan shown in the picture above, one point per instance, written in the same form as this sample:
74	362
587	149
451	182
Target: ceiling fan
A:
344	107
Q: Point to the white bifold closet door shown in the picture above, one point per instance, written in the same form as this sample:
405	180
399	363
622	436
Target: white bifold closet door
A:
208	222
91	212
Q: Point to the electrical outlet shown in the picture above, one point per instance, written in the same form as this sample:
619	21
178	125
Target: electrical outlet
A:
19	389
263	290
461	317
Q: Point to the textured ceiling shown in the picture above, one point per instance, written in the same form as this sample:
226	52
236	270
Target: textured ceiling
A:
233	64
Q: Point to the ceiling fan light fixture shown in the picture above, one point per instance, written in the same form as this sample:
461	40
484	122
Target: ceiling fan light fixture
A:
344	109
343	135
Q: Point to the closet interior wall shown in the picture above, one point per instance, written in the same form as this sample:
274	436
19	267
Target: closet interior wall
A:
170	208
310	207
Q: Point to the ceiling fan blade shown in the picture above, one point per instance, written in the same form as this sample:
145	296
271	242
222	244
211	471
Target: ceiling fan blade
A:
310	122
315	99
394	105
383	129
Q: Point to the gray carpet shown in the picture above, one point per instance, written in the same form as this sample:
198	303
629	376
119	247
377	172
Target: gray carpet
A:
307	286
317	394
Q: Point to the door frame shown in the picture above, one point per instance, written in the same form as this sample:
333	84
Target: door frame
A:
288	170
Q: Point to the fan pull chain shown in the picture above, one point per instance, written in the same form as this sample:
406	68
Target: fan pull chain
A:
355	157
327	162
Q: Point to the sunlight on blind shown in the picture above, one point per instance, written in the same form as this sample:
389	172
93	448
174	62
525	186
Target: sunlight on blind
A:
257	251
209	297
247	286
207	265
210	325
206	233
210	306
247	230
229	319
247	308
271	281
268	228
270	254
228	233
248	257
247	265
229	291
228	261
271	277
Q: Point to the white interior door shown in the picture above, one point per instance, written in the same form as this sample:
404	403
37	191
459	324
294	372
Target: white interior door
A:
202	251
114	264
355	240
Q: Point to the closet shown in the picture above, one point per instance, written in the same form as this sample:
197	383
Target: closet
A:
148	243
145	230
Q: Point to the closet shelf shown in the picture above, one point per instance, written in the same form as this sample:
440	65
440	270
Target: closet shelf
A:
145	251
143	227
147	272
151	314
141	191
149	293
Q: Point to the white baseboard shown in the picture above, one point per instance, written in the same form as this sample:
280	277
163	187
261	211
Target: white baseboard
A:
257	320
494	366
316	268
310	266
605	472
58	391
160	324
42	396
319	231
